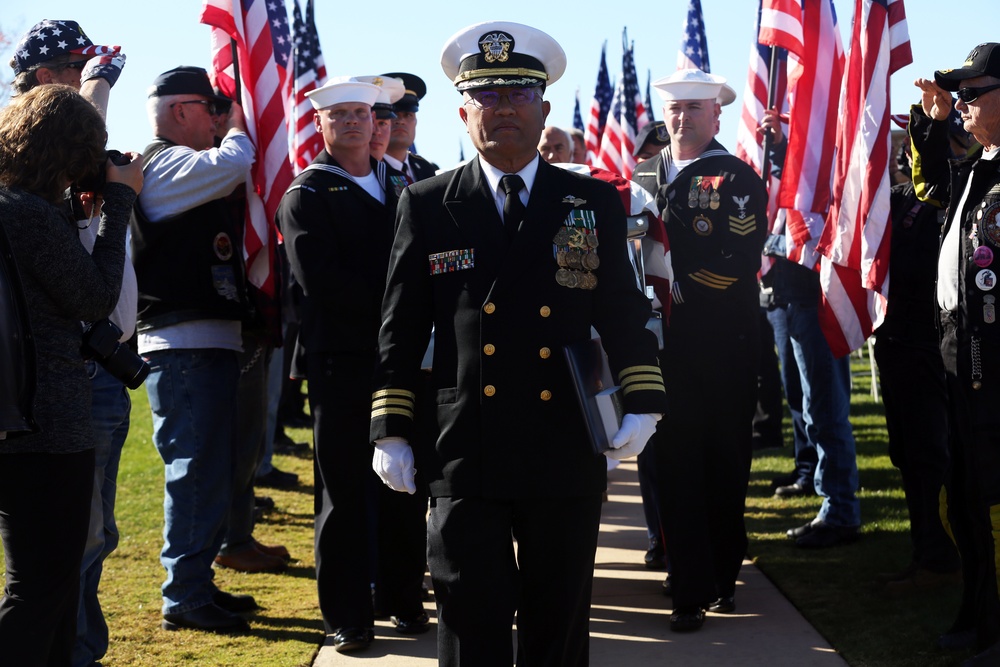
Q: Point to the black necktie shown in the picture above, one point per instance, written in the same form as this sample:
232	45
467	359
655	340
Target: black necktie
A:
513	209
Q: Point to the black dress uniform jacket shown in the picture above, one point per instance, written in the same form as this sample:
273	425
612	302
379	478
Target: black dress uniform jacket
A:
510	425
422	167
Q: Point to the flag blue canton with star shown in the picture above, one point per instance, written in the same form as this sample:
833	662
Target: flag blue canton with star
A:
306	40
577	117
694	46
281	40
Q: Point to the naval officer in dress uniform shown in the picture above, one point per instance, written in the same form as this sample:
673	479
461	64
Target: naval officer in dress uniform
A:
510	260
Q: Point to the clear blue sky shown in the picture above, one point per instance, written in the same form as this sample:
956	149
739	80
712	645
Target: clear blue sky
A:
359	39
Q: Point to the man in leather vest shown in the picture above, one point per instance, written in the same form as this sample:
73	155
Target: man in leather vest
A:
187	252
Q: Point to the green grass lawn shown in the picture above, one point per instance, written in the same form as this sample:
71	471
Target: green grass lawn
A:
833	588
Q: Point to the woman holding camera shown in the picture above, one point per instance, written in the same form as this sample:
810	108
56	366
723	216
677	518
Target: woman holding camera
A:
50	137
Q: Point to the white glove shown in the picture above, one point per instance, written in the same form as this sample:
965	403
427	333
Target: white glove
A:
393	463
632	437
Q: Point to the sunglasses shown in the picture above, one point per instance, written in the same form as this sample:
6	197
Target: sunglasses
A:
972	94
211	107
518	97
76	64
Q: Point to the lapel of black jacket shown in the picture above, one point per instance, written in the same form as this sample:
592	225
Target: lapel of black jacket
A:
470	204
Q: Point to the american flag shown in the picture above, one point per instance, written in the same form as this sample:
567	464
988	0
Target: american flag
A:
808	29
626	117
577	116
308	73
599	107
260	30
693	53
855	241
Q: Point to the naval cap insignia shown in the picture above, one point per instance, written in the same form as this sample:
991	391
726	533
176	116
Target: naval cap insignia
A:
496	46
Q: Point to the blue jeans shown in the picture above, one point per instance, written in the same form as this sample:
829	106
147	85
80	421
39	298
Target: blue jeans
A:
826	402
274	382
192	395
804	450
109	414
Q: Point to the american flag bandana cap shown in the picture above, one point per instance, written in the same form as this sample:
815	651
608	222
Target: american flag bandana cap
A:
49	39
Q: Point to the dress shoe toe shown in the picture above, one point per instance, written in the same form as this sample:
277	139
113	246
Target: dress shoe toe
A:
796	533
277	479
352	639
726	605
210	618
824	535
234	604
687	619
412	625
667	587
793	490
251	561
277	550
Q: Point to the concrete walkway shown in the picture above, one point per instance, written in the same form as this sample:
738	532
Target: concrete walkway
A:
629	620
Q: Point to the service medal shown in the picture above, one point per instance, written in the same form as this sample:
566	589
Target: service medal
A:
561	237
702	226
573	260
562	277
572	280
713	200
592	241
561	259
591	261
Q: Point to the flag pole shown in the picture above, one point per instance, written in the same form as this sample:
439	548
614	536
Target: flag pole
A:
237	93
772	85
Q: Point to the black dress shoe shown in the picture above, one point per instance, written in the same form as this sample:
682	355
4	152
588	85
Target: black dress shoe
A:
723	606
277	479
687	619
796	533
412	625
234	604
667	587
210	618
823	535
265	503
656	557
794	490
352	639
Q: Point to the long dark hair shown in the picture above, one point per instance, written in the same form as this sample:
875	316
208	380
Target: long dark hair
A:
50	135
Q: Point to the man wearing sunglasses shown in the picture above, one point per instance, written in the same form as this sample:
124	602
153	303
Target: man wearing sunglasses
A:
510	259
970	333
187	251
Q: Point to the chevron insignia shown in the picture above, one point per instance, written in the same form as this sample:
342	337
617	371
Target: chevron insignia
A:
742	227
712	280
393	402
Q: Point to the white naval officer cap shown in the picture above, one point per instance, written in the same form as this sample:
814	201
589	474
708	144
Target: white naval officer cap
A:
498	54
391	90
343	89
694	84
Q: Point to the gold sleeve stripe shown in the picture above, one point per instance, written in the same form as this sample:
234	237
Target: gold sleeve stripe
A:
392	411
645	377
643	387
638	369
403	402
394	392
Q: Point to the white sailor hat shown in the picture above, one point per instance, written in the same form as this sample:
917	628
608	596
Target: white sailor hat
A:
498	54
343	89
391	90
694	84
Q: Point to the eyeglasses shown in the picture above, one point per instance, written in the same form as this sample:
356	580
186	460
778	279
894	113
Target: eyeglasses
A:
211	107
518	97
972	94
76	64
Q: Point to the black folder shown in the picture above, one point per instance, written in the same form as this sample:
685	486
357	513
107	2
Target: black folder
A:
599	397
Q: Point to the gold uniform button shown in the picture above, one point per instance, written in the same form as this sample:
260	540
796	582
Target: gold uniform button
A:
489	308
489	390
489	350
545	353
546	395
545	311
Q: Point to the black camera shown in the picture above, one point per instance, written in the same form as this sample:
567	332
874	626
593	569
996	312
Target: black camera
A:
100	343
95	181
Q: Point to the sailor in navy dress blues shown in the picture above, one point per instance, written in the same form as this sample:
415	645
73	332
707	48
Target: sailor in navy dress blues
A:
510	259
714	208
